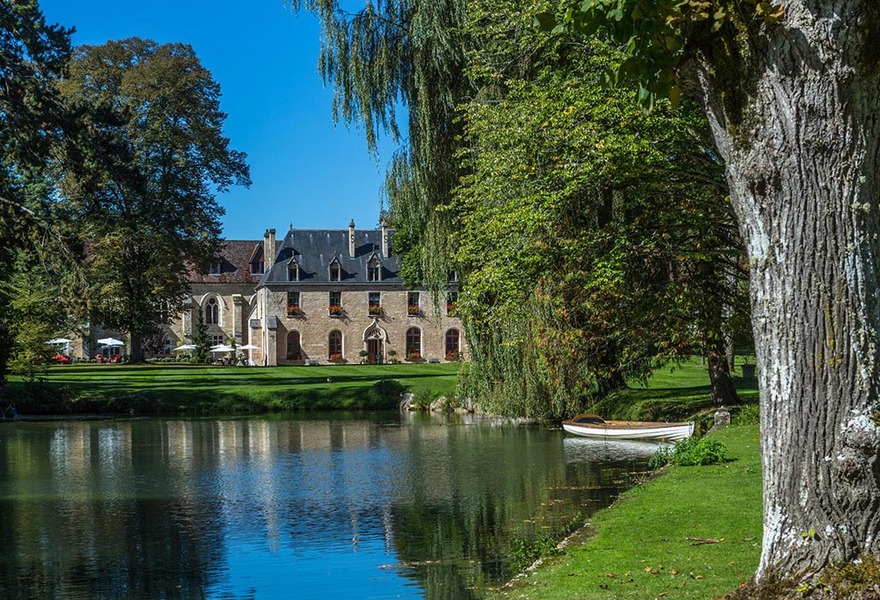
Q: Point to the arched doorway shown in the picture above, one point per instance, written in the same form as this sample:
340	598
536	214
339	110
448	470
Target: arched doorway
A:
374	344
294	347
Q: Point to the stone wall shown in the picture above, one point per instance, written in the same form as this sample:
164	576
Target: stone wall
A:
356	325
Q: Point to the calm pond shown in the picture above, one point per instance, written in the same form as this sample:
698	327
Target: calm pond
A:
357	506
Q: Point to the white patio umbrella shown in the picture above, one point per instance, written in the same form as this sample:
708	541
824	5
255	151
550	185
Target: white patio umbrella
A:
111	342
221	348
248	347
185	347
61	341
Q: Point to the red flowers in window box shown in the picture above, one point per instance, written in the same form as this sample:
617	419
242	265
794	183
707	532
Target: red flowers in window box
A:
413	309
453	356
375	310
335	310
335	357
294	310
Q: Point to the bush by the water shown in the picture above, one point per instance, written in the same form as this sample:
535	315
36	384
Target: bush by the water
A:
690	452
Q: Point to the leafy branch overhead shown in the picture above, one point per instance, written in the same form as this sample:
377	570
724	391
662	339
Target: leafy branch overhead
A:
659	36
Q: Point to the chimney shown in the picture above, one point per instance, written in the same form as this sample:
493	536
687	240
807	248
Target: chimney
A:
351	238
269	248
386	239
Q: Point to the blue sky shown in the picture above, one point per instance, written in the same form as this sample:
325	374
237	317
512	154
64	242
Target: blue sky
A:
305	170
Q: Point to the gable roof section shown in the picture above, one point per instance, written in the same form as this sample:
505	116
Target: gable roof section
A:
235	263
315	250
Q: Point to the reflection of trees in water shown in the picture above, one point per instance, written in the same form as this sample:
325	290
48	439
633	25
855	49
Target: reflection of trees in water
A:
142	508
84	524
466	515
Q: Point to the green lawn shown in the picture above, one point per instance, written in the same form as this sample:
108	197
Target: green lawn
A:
694	532
82	388
675	392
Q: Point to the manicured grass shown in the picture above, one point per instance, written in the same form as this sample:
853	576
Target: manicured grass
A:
652	543
673	393
146	389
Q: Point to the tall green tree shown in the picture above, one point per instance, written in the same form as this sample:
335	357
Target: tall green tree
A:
157	157
34	125
597	240
790	92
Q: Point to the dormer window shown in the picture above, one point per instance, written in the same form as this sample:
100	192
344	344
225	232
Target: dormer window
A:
215	266
374	270
293	272
335	271
257	267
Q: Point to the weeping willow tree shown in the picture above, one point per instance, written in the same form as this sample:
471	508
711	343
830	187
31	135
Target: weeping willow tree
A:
409	52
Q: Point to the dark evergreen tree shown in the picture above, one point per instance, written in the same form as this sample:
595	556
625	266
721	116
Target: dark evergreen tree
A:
202	352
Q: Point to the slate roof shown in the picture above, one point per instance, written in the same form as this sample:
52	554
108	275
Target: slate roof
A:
315	249
235	266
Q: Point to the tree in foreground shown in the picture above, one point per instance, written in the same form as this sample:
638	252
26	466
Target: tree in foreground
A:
157	157
33	123
790	90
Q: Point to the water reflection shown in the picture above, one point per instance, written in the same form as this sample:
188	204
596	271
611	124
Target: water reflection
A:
371	506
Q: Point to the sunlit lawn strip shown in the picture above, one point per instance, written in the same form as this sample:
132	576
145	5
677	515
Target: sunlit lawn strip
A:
147	389
694	532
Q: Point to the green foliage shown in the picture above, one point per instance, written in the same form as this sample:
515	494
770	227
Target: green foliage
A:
34	125
660	35
690	452
202	351
749	414
387	392
592	236
156	155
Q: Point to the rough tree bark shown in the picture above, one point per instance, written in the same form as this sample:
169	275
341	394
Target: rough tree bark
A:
799	128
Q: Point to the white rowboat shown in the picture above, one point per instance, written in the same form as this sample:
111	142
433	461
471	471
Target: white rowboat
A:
594	426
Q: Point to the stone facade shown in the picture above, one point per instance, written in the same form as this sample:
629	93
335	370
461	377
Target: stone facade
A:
336	296
283	306
224	296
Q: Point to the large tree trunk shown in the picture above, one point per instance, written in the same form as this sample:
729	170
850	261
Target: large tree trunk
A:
721	383
800	139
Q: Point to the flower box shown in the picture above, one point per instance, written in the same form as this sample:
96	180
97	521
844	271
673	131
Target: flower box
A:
414	356
450	309
453	356
294	311
335	357
335	310
413	309
374	311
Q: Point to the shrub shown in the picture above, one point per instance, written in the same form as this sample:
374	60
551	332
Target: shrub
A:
690	452
749	415
387	392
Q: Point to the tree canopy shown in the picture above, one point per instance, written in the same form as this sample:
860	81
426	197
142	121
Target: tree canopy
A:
156	157
34	126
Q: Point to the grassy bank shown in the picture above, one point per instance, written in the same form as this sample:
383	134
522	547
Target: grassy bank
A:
151	389
694	532
674	393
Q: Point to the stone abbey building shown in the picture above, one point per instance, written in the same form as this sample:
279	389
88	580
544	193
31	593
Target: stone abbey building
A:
320	296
